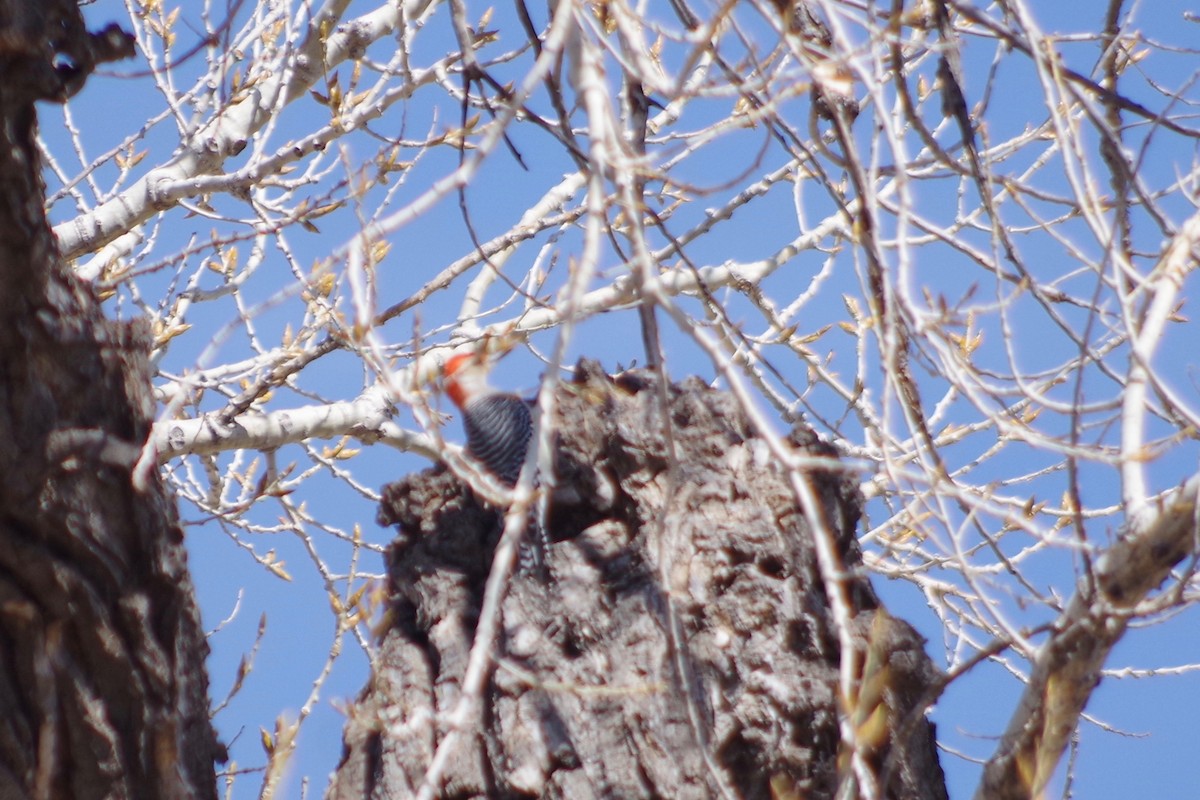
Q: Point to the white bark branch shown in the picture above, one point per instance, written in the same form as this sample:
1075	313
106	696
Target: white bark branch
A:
226	134
366	417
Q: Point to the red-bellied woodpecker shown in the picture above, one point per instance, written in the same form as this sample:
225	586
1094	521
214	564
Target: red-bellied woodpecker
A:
498	424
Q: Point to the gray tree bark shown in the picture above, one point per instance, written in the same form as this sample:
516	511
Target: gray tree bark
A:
102	687
591	694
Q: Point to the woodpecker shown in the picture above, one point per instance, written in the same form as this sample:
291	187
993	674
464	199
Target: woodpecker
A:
498	424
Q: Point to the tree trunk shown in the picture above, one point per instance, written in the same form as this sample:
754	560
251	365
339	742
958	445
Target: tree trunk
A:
606	683
102	687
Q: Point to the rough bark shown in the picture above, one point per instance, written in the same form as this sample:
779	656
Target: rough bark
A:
589	697
102	687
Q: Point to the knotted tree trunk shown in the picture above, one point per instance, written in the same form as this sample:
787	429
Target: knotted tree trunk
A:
102	687
606	681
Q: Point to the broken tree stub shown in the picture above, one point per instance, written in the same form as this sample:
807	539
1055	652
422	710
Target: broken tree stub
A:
683	646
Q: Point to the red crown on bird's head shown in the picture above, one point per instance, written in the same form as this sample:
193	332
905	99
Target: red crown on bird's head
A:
455	368
455	363
465	374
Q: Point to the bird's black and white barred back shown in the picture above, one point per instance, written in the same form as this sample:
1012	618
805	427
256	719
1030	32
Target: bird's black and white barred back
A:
498	424
499	427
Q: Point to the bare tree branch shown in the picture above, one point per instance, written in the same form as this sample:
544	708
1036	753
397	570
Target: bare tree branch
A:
1068	666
